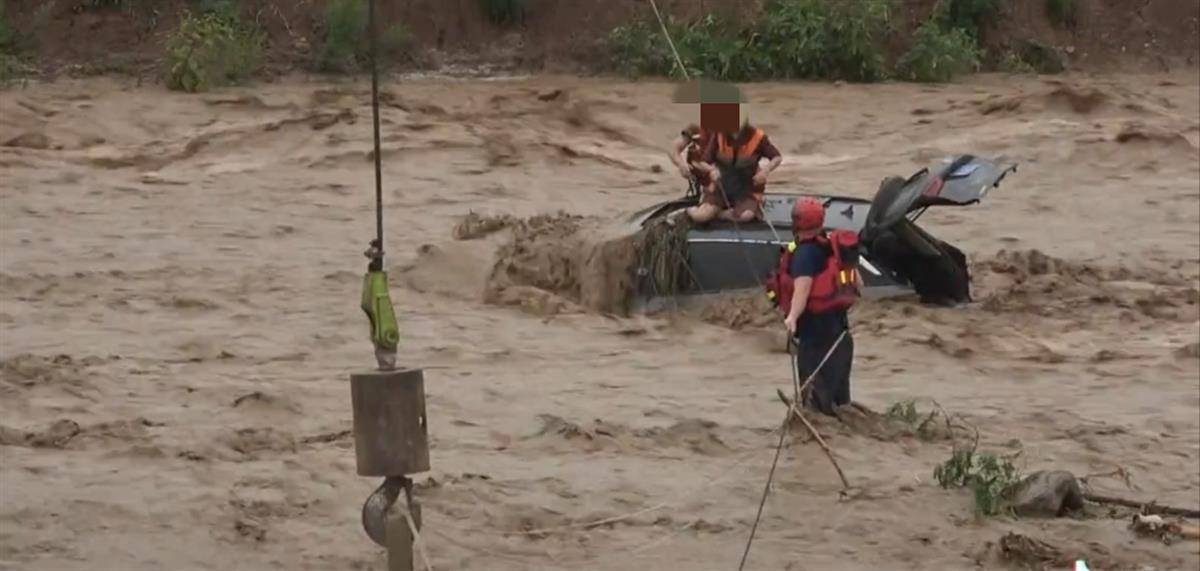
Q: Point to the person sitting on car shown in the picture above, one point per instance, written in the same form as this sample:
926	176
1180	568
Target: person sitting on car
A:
738	181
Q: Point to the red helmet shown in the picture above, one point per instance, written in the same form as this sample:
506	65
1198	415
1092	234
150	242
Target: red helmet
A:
807	214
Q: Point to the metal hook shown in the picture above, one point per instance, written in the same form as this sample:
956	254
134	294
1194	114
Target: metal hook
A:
375	509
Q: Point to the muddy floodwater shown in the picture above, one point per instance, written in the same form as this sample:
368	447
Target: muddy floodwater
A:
179	290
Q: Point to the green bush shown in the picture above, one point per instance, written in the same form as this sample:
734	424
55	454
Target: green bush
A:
210	50
346	45
967	15
822	39
504	11
1062	12
939	55
8	39
639	49
993	480
1014	63
818	39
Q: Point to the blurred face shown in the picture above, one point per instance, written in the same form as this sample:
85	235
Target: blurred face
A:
720	117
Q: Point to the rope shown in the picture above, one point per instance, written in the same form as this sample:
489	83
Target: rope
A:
782	431
798	387
666	34
373	32
420	543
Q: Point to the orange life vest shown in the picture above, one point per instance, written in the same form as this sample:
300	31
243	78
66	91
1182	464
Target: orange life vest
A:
742	157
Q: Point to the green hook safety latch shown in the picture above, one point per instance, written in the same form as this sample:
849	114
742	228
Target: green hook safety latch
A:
377	303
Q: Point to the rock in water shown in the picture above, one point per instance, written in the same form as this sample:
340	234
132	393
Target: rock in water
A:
1048	494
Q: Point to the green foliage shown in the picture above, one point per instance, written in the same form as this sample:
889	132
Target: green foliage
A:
992	479
504	11
822	39
638	49
1012	62
346	45
939	55
1062	12
211	49
819	39
904	411
8	38
967	15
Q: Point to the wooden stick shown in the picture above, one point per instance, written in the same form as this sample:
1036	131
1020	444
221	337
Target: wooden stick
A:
1150	507
792	409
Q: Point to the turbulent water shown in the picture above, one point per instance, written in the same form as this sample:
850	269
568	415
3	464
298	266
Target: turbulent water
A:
179	298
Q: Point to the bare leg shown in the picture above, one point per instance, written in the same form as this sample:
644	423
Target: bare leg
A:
702	213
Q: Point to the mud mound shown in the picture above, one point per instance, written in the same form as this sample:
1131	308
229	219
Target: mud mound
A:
909	420
251	443
741	312
1080	100
28	371
558	261
1138	133
30	140
475	225
1017	551
1033	282
68	434
696	435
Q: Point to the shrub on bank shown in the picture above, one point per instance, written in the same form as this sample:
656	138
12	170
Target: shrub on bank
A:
345	43
1062	12
795	39
970	16
822	39
939	55
212	48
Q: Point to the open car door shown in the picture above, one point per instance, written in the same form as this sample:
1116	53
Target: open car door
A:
937	270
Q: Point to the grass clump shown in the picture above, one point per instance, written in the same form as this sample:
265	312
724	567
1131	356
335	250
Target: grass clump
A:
966	15
1012	62
346	44
993	480
939	55
212	47
794	39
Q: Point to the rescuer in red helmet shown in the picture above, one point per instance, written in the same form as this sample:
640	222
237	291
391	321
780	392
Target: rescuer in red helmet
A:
825	283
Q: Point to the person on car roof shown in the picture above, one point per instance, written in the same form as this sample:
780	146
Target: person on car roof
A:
733	158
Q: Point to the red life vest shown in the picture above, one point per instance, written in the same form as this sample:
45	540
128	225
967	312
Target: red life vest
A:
835	288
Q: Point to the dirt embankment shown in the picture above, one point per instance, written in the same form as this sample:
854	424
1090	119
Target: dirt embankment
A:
557	36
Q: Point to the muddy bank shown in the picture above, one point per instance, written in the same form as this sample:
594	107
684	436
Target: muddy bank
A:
557	263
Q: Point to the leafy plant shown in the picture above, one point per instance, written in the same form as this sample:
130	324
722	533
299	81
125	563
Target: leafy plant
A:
992	479
504	11
939	55
212	49
904	411
820	39
8	38
346	44
1062	12
967	15
638	49
1014	63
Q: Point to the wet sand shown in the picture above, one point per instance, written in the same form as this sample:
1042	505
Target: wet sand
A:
179	306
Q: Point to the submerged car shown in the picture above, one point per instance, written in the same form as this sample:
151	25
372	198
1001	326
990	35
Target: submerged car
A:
897	256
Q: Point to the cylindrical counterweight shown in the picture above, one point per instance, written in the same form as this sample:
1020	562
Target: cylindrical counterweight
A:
390	432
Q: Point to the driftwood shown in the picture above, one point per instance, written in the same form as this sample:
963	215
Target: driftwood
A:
794	410
1147	507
